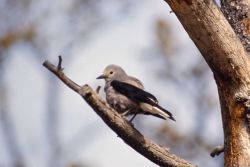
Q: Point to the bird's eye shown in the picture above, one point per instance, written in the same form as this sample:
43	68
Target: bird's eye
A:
111	72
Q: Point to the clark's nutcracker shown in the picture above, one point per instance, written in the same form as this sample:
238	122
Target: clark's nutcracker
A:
126	95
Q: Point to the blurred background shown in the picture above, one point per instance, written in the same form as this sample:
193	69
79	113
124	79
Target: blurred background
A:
45	124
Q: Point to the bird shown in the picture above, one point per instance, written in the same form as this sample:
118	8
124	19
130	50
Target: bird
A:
127	96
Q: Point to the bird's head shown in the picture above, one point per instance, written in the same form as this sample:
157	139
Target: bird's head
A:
112	72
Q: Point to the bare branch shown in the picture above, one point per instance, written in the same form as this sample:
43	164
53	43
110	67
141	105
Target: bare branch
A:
156	153
213	36
217	151
98	89
60	74
59	66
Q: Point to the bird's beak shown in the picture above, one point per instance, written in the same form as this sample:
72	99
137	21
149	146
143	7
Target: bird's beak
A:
101	77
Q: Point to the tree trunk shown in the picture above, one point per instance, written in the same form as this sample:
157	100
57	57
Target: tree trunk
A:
238	15
228	60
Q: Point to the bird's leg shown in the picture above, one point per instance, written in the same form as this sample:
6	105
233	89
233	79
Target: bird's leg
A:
126	112
136	111
133	117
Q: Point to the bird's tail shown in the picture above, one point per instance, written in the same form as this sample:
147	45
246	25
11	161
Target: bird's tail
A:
163	112
156	110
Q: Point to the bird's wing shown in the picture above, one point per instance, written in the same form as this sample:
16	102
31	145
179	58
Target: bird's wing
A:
140	96
134	93
134	81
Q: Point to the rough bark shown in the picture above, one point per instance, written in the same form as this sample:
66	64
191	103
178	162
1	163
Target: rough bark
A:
238	14
124	129
228	60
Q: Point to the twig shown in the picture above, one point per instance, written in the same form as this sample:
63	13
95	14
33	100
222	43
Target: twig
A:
98	89
121	126
59	66
217	151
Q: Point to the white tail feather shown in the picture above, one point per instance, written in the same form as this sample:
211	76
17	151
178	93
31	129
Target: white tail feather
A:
153	110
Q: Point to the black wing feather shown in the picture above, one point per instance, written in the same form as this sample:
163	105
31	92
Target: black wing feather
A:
134	93
138	95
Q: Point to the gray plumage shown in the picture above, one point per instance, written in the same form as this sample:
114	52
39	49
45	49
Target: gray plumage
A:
127	96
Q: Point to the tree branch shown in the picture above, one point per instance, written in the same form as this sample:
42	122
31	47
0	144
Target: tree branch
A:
230	63
131	136
217	151
213	36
